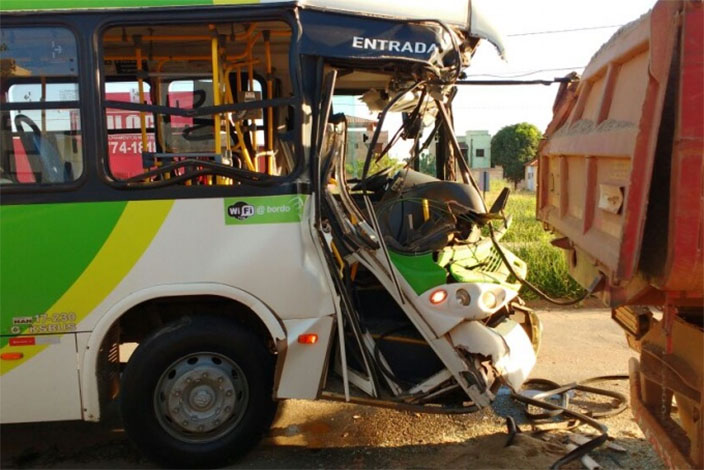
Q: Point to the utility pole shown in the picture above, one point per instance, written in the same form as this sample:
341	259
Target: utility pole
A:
471	153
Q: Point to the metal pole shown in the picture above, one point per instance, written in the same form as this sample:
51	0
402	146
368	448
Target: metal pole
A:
140	87
271	161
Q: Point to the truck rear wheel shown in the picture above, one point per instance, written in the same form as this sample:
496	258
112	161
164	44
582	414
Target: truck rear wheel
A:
198	393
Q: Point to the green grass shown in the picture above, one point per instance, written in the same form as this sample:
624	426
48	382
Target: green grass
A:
547	268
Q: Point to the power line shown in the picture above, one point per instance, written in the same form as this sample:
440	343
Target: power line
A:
512	82
557	31
496	107
508	76
525	74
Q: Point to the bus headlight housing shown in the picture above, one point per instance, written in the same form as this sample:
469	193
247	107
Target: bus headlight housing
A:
463	298
489	300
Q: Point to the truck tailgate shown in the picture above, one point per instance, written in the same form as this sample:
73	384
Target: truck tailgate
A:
621	170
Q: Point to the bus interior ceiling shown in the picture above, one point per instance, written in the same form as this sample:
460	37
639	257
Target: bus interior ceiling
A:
190	66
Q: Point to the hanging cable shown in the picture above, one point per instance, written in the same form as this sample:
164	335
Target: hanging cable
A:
588	418
567	79
557	31
592	288
527	73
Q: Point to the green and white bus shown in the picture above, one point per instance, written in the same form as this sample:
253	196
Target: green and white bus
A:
177	175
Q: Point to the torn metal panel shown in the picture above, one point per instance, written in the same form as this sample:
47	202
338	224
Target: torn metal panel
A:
507	344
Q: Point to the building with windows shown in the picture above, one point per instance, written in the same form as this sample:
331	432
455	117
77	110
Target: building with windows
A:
476	147
476	150
359	134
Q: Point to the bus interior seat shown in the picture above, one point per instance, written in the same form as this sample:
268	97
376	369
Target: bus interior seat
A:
402	219
44	158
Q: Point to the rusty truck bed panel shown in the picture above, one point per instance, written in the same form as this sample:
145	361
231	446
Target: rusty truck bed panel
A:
684	269
620	171
621	181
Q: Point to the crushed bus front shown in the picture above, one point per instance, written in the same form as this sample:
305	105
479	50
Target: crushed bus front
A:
430	315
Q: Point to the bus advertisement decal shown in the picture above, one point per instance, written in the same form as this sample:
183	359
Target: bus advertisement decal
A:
131	235
264	209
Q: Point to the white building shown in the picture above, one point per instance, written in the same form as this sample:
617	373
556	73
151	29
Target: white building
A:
531	172
476	150
476	145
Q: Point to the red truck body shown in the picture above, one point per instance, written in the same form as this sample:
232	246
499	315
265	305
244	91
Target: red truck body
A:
621	183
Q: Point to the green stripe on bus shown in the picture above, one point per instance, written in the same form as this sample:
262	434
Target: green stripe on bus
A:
44	249
8	5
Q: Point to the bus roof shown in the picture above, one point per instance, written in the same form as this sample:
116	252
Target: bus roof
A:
455	12
459	13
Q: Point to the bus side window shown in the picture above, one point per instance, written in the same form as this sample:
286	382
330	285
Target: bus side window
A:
182	86
40	125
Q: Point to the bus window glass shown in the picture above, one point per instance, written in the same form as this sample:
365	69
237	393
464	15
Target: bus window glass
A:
124	129
189	134
180	86
183	134
392	150
40	125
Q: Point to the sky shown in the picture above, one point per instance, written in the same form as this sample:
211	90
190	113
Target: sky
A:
493	107
529	56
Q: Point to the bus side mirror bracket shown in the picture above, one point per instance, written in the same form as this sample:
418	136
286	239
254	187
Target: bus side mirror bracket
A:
500	202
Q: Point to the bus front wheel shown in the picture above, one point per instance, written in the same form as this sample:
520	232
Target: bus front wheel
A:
198	393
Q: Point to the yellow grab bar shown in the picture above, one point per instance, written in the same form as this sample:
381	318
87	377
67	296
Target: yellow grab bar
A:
426	210
216	87
142	116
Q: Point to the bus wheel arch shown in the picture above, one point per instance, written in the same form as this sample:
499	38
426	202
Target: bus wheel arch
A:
144	312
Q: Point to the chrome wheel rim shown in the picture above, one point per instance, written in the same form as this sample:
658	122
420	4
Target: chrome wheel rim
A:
201	397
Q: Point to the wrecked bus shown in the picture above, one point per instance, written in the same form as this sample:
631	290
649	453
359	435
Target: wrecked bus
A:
175	175
621	182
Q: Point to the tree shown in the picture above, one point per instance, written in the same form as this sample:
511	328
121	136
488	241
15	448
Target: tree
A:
354	168
427	163
514	146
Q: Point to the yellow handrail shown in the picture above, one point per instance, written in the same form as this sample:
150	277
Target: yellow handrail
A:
216	88
142	116
238	128
271	159
188	37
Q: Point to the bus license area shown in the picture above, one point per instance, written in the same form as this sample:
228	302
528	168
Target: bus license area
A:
46	323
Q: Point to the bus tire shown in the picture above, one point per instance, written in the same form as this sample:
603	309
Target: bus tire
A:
198	393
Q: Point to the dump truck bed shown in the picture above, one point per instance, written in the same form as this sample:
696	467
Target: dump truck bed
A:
621	183
621	173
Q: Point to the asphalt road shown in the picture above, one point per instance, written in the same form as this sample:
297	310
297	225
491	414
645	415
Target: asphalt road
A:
576	344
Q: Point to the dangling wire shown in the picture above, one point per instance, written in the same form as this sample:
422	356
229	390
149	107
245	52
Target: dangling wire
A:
592	288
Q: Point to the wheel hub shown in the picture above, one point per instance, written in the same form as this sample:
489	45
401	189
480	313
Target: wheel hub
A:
201	397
